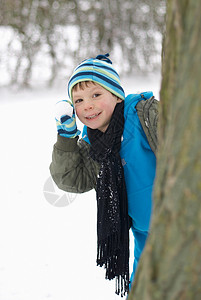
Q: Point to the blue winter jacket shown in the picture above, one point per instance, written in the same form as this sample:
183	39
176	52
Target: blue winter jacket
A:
139	163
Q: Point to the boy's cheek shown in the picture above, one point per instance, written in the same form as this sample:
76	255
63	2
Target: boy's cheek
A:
80	116
77	112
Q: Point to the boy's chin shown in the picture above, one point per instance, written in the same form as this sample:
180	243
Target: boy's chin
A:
91	127
102	129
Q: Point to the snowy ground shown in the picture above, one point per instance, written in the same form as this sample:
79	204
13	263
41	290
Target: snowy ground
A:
46	252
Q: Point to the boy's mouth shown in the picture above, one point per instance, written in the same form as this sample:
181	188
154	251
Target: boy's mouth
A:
93	116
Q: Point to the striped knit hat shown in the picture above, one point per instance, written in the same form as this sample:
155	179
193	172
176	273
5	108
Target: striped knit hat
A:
99	70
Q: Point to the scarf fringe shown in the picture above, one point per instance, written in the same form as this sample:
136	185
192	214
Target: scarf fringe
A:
107	255
122	285
107	258
107	252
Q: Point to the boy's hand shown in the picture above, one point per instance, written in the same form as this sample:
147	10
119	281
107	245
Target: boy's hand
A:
65	119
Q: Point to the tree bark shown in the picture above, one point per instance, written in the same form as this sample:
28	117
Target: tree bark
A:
170	267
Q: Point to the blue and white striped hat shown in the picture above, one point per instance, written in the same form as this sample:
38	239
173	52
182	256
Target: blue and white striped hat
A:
99	70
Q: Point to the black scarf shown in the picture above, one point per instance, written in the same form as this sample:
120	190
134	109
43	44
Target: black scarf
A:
112	204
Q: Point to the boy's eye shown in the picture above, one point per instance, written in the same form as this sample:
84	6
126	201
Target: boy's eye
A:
96	95
78	101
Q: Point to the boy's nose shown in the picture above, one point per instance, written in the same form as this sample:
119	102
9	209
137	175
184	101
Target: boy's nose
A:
88	105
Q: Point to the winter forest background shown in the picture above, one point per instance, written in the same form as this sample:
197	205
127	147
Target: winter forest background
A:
45	252
42	40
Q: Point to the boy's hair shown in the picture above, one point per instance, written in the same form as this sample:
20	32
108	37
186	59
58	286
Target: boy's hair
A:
98	70
83	84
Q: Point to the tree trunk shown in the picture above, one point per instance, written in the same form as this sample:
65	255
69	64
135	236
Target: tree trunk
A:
170	267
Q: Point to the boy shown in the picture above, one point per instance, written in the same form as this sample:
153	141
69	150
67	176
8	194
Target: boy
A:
114	157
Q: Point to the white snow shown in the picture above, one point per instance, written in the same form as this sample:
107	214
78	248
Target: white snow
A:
46	252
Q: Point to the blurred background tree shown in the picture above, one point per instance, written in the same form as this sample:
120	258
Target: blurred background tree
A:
45	39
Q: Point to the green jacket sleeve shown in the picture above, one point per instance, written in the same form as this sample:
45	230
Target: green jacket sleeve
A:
71	168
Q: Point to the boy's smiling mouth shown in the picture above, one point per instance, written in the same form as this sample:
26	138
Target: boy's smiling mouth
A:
91	117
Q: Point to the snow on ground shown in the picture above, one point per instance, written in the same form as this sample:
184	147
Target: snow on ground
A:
46	252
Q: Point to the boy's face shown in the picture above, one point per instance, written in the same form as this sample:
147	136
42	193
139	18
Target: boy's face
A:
94	105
